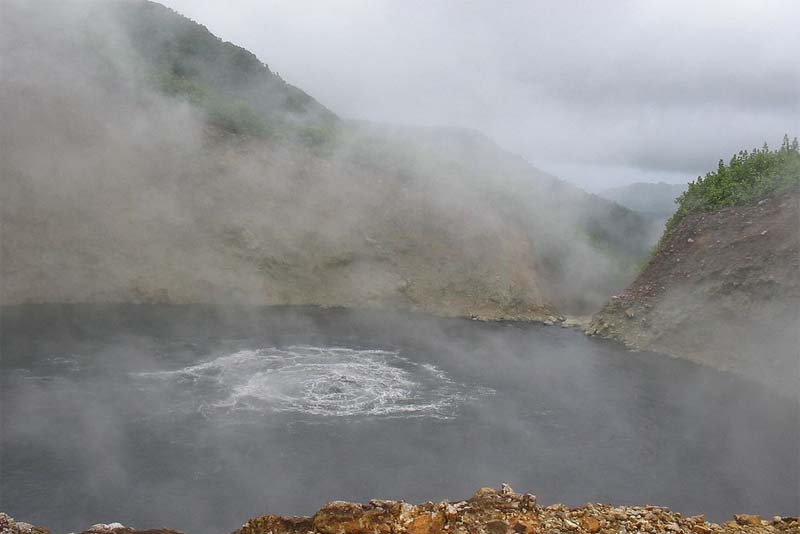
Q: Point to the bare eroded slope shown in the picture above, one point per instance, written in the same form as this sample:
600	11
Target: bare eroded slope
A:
722	290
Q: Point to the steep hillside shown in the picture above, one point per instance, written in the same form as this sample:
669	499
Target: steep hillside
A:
146	160
723	287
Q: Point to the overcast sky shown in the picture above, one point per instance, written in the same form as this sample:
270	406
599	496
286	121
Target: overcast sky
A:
599	93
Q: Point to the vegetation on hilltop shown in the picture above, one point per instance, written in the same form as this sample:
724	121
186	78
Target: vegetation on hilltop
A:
748	176
238	92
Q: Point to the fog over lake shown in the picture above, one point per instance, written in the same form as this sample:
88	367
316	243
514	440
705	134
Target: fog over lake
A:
201	417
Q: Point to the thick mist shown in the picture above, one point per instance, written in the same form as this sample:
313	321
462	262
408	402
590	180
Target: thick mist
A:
601	94
117	192
108	417
178	222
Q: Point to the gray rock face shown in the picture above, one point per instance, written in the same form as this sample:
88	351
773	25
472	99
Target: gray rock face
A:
9	526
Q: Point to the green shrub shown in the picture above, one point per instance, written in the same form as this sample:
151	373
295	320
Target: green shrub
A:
229	114
747	177
236	117
174	85
316	136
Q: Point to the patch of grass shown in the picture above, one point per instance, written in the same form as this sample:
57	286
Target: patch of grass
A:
228	114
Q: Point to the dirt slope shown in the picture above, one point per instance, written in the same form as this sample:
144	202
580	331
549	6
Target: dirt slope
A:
722	290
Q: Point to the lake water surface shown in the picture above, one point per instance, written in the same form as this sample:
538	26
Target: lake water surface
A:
197	418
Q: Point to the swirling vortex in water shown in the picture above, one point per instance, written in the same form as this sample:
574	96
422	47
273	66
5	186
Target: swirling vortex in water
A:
323	381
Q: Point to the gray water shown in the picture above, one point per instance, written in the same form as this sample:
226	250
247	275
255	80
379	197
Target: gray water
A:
198	418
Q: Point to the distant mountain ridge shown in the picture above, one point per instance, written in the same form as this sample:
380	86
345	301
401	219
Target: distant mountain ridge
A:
657	199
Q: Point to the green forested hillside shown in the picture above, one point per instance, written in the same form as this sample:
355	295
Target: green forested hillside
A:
240	93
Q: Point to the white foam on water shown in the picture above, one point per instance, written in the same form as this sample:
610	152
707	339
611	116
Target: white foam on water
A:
324	381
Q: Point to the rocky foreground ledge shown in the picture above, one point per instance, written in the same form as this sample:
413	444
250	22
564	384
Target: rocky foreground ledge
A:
489	511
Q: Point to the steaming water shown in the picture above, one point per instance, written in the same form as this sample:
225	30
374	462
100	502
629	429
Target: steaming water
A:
198	419
320	381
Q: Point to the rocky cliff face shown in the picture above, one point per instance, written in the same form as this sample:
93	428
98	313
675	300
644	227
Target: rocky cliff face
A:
722	290
489	511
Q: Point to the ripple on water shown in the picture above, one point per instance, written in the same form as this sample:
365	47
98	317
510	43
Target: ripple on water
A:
321	381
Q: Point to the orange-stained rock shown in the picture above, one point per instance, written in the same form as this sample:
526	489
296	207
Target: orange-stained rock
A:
747	519
484	493
349	518
524	527
590	524
427	523
489	511
274	523
497	527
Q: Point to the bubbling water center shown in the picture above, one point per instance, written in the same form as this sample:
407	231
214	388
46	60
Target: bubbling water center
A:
320	381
